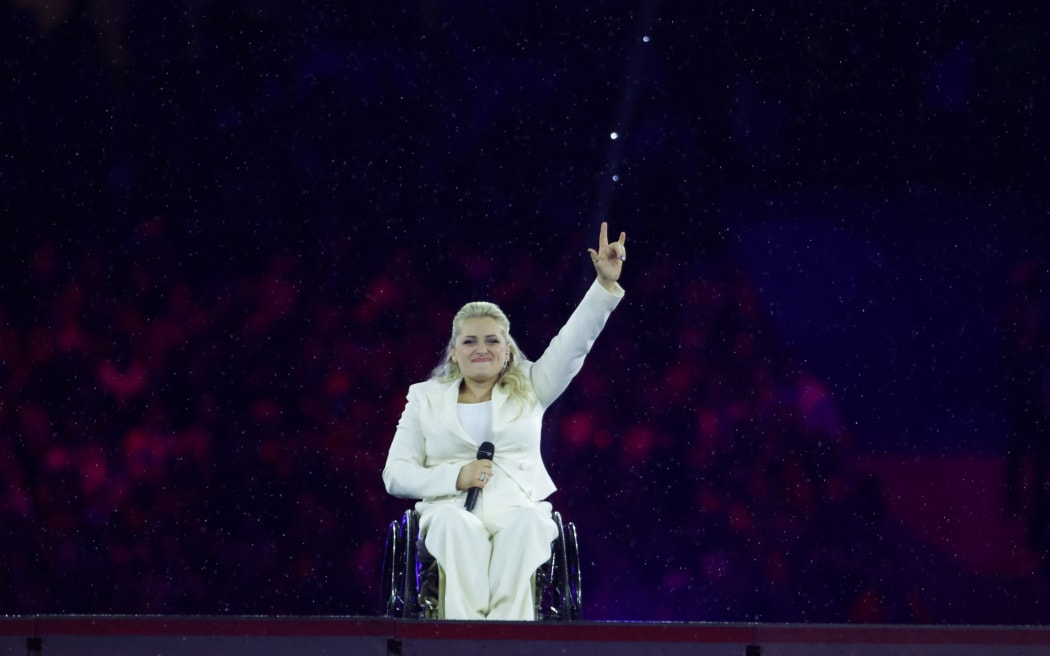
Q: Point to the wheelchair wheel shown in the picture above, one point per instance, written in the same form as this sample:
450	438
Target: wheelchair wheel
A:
542	590
409	581
392	604
572	569
560	593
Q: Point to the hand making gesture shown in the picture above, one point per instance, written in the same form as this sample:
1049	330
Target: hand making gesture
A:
609	258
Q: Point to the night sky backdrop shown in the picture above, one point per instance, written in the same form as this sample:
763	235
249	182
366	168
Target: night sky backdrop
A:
235	231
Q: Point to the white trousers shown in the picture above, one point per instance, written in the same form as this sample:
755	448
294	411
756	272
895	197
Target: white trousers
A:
489	556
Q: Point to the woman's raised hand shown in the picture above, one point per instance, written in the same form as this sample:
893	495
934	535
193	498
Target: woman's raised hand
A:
609	258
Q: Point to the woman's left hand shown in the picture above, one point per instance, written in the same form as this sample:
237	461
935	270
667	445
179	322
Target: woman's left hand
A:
609	258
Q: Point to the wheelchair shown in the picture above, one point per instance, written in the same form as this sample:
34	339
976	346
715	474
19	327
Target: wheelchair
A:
410	575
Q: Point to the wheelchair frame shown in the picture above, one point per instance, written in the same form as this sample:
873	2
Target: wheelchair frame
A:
410	574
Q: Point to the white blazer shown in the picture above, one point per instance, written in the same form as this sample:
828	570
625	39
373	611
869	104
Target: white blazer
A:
430	446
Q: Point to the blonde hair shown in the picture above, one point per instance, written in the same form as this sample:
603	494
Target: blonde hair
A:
513	378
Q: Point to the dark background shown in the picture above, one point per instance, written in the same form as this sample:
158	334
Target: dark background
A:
234	232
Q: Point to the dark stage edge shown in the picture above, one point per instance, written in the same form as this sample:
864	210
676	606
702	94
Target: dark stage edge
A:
90	635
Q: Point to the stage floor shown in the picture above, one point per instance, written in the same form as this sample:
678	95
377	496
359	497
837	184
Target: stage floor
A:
91	635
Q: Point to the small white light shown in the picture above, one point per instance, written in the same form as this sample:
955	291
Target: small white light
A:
645	39
616	178
614	136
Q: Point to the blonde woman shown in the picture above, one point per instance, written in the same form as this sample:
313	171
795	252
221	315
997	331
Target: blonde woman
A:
485	390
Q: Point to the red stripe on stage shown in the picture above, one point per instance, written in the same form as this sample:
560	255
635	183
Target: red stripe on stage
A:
577	632
17	626
897	634
598	632
401	629
212	625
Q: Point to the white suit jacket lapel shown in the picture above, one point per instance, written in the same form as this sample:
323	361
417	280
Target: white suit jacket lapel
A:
449	412
499	401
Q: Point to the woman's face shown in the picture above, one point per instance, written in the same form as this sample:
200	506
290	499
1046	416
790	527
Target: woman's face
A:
480	349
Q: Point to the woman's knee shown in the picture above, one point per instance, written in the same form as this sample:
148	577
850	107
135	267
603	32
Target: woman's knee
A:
452	523
445	515
530	525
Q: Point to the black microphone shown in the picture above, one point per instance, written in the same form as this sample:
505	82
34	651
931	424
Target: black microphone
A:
485	452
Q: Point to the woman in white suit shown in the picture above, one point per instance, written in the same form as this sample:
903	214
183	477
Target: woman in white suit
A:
486	391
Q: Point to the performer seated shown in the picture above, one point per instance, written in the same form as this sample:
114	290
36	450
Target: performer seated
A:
485	390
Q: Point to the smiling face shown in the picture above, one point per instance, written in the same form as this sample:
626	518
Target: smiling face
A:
480	350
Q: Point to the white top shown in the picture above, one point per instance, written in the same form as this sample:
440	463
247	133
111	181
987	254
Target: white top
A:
476	419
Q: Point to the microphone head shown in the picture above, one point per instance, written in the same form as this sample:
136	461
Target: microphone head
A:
486	451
